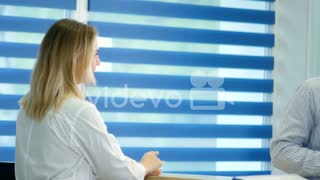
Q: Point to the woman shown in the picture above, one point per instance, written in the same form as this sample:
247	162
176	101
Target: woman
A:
59	134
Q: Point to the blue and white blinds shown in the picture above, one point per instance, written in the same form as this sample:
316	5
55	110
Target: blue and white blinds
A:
22	27
190	79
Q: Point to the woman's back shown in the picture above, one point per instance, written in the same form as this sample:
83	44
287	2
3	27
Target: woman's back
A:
46	149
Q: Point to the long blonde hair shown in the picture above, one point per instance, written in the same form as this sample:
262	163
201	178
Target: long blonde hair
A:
62	63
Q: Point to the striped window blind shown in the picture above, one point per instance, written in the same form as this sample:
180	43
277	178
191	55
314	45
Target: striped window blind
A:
189	78
22	27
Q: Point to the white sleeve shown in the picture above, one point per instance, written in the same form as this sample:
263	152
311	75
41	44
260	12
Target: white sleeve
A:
101	149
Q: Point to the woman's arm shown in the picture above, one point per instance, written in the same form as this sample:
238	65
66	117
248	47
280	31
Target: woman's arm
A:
103	151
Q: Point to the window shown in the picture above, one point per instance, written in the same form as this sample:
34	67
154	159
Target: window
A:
23	25
166	55
190	78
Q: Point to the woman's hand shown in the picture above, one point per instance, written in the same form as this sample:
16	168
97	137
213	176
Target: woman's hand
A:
155	173
151	163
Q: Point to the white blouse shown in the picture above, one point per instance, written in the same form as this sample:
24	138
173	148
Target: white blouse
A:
71	144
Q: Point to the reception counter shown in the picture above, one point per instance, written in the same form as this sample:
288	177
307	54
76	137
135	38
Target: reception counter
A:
200	177
7	172
187	177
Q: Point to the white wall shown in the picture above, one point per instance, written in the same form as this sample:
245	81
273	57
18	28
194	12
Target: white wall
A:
296	49
313	39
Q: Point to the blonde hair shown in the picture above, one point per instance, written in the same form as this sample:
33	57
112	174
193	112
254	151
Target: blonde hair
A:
62	63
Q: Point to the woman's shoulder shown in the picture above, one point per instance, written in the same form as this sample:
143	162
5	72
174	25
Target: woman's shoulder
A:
81	113
76	106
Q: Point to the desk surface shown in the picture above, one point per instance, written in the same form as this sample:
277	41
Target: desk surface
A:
187	177
200	177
